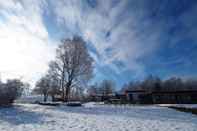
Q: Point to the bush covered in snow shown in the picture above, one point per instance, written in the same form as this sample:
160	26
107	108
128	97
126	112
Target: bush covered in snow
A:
10	90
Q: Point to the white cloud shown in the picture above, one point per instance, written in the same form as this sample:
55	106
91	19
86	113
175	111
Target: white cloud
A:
24	35
25	48
126	41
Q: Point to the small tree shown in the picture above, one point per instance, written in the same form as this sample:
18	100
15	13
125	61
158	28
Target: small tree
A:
15	88
151	83
43	87
93	92
107	88
54	88
10	91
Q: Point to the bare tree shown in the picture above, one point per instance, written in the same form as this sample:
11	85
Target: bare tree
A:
43	87
93	90
10	90
54	83
107	88
73	64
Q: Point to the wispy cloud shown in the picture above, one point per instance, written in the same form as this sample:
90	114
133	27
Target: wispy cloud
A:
113	30
126	38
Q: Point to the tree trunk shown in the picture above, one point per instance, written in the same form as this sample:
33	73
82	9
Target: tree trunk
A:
62	83
45	97
68	86
62	86
63	92
53	97
67	94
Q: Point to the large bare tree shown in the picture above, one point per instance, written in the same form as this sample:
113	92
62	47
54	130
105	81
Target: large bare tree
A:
73	64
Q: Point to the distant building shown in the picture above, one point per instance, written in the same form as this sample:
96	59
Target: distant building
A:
175	97
101	97
138	96
162	97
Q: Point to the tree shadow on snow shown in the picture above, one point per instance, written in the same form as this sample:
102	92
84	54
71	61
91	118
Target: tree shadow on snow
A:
18	115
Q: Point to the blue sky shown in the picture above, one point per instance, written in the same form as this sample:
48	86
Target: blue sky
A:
128	39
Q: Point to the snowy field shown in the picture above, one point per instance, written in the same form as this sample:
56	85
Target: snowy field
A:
29	117
192	106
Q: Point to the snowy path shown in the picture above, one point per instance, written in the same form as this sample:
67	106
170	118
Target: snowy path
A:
29	117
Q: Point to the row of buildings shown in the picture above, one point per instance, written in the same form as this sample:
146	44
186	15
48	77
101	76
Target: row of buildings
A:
162	97
147	97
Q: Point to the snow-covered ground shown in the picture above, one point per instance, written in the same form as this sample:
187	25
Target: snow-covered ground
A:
29	117
31	99
193	106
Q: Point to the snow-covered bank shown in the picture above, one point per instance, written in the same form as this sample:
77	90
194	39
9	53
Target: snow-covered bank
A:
91	117
192	106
